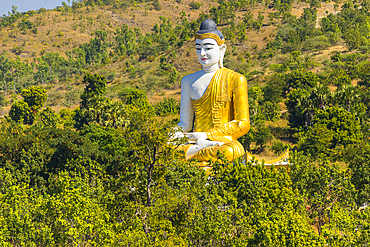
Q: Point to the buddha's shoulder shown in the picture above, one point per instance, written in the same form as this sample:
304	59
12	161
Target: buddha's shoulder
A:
191	77
234	75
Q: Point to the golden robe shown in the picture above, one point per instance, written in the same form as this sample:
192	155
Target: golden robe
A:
223	113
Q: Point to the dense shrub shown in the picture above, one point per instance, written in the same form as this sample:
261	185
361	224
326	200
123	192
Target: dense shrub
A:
167	107
332	129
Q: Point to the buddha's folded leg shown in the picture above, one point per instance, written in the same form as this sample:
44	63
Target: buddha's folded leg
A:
184	148
231	150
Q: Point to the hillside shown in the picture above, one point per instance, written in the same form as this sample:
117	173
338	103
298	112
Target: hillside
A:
59	30
149	46
89	97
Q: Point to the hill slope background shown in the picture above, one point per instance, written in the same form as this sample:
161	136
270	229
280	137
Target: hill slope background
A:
90	101
149	46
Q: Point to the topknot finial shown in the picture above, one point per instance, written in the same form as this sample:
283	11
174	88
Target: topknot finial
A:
208	29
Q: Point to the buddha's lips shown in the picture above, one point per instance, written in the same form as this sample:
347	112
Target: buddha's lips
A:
203	59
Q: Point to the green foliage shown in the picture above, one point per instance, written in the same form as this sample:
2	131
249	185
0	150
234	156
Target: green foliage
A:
261	135
95	86
224	13
299	79
2	100
172	80
295	108
271	111
60	187
147	138
25	24
323	185
19	112
347	226
66	117
255	96
135	98
13	16
26	111
167	107
93	104
247	140
342	80
274	89
279	147
49	117
195	5
332	129
297	32
315	44
102	111
157	5
35	96
76	201
54	98
272	218
358	159
71	97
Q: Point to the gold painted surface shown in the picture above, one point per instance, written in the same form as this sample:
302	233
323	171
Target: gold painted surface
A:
223	113
210	36
281	161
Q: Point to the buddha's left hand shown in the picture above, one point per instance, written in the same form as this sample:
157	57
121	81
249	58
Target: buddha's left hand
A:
203	143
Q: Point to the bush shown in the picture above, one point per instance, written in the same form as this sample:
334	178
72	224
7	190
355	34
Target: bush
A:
271	111
134	97
316	44
262	135
66	117
49	117
35	96
332	128
111	76
157	6
95	87
166	107
25	24
358	157
274	88
279	147
195	5
19	111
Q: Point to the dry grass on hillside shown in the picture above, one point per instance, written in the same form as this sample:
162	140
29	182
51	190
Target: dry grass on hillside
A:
62	31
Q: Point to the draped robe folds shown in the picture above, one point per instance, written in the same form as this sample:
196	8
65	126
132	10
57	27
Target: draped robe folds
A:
223	113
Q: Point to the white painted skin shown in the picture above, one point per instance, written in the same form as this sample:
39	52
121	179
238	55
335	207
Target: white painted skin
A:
210	56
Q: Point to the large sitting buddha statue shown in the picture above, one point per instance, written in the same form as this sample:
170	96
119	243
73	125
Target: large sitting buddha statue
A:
214	101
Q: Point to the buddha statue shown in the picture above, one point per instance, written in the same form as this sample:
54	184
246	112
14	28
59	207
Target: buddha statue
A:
214	101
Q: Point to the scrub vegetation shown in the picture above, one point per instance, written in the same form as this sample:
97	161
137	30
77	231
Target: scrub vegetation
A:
90	95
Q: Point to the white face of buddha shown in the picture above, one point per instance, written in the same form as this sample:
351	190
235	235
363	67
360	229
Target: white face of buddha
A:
208	51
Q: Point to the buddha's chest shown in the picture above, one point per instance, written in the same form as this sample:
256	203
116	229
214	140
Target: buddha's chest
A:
200	85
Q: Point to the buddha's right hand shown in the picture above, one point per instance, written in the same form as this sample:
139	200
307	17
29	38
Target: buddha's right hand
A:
178	134
194	136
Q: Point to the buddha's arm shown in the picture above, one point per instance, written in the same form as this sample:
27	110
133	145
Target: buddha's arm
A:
238	127
186	108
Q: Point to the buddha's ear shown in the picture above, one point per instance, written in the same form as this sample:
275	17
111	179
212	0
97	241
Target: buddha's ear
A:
222	54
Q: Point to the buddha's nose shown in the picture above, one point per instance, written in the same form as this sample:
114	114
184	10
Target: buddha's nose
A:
202	52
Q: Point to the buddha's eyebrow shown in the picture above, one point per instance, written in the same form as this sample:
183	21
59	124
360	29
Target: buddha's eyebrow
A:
204	44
